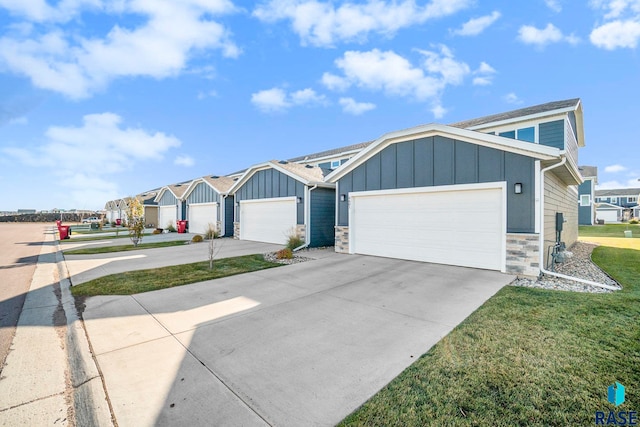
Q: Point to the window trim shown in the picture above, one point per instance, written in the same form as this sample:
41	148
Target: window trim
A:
588	203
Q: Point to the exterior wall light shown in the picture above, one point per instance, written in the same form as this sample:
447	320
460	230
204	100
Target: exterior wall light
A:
299	199
343	197
517	188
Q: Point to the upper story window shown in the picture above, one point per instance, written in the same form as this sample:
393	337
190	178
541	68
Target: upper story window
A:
524	134
632	199
585	200
614	200
335	164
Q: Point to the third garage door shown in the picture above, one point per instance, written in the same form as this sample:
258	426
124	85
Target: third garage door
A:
201	216
457	226
267	220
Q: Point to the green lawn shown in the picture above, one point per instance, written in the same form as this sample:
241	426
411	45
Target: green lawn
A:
526	357
124	248
98	236
133	282
608	230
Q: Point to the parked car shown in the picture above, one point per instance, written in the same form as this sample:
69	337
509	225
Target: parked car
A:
90	220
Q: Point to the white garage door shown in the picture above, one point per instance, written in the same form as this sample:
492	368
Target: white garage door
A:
442	225
608	216
201	215
267	220
166	215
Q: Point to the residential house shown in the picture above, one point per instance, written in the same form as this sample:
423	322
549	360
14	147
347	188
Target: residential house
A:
626	198
171	205
586	195
208	204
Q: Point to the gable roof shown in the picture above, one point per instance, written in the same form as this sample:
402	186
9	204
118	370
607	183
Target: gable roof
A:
177	190
307	174
220	184
617	192
608	207
522	113
540	152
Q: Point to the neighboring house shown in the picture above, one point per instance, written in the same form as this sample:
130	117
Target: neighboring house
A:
171	205
626	198
278	198
150	207
483	193
608	212
207	203
586	195
111	209
331	159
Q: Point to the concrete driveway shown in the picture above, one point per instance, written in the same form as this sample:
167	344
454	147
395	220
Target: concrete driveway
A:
83	268
298	345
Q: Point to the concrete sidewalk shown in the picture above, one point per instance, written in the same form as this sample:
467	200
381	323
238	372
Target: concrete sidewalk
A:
303	344
83	268
49	376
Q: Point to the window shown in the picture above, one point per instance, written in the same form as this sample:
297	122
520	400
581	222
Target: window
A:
632	199
509	134
335	164
585	200
525	134
614	200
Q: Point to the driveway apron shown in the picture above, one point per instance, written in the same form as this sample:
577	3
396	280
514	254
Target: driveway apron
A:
304	344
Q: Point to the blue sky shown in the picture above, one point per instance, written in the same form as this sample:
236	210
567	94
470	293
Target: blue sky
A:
104	99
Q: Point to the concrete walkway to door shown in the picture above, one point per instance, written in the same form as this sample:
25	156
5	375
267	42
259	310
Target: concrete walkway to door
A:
304	344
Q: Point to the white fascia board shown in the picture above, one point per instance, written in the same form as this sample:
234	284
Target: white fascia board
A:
340	154
537	116
162	191
537	151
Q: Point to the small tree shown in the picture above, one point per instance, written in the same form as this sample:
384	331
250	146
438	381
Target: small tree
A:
135	221
211	235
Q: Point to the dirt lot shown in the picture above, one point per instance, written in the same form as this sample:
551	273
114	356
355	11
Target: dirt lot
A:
20	245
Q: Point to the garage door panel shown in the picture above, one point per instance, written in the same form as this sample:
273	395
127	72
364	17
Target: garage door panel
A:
269	220
451	227
166	215
201	215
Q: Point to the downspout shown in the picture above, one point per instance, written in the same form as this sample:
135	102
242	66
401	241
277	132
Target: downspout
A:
542	252
307	229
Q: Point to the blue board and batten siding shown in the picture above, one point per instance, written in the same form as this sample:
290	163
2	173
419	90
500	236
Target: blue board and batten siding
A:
585	213
270	183
552	134
228	216
168	199
322	218
436	161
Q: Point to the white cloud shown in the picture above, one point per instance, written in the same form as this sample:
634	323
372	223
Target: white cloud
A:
41	11
483	75
553	5
475	26
394	75
512	98
277	99
350	106
438	111
184	160
608	185
83	158
615	34
61	60
541	37
324	24
615	168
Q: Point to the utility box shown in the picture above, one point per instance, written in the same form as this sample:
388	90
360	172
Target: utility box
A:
559	221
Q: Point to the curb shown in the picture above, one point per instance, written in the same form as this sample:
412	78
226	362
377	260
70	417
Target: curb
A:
91	405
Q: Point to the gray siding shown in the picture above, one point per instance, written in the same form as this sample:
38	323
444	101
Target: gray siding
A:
270	183
168	199
552	134
572	120
585	213
442	161
203	193
323	214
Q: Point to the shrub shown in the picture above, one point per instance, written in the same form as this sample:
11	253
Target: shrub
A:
285	253
157	231
634	221
113	223
197	238
211	232
171	228
293	240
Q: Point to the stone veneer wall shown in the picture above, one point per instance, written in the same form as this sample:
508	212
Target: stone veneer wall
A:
236	230
301	231
342	239
523	254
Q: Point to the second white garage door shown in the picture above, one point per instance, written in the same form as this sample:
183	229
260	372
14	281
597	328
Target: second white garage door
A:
166	215
444	225
201	215
607	216
267	220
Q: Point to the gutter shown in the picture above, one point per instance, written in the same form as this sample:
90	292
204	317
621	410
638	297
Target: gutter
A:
307	230
542	252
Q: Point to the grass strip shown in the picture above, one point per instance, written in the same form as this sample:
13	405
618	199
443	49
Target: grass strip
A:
133	282
527	357
609	230
124	248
